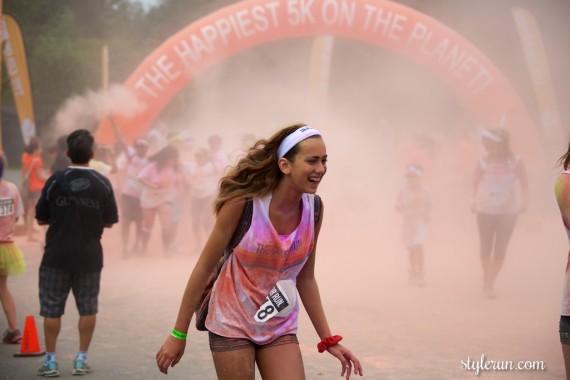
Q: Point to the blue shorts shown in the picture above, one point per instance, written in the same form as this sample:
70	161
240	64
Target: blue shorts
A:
55	285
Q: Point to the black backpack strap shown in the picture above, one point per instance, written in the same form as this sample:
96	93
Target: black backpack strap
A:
317	206
243	224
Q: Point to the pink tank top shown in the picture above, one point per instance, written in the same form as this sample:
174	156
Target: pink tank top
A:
260	260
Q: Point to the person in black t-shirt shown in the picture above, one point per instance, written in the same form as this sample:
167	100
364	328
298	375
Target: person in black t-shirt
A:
76	203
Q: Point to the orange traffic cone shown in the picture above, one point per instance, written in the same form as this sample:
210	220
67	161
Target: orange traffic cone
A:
30	345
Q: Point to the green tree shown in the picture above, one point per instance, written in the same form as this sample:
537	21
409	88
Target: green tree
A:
63	41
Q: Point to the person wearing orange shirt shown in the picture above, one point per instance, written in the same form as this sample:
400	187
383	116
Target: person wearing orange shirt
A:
34	177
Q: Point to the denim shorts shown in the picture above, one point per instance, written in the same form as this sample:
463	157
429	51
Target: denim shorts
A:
220	343
55	285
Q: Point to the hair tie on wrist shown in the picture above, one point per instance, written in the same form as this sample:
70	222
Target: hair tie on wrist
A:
178	335
327	342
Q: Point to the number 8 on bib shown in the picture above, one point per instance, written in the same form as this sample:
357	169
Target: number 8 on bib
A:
280	301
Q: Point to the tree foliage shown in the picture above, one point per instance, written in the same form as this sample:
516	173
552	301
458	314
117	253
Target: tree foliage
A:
64	39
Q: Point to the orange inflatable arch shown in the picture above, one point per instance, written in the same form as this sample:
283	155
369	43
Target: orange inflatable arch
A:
379	22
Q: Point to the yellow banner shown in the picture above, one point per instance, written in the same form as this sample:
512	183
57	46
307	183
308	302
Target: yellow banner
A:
17	69
539	70
1	39
105	67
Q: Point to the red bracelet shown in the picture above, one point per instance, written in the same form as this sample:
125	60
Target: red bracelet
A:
327	342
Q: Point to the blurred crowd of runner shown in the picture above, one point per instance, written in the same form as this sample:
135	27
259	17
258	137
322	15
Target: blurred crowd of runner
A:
161	175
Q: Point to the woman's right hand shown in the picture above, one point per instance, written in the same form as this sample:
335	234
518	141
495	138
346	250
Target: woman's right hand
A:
170	353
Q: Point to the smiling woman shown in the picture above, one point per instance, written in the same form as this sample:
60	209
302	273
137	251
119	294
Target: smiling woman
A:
247	321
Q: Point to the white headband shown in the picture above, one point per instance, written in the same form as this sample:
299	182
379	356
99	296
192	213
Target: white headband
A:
491	136
295	138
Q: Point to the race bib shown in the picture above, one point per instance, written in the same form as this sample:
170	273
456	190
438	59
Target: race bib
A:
6	207
280	301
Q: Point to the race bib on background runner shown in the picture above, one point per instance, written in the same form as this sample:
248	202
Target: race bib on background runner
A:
6	207
280	301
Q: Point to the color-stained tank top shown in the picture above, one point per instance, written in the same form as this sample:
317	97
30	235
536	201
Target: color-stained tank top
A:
496	191
259	261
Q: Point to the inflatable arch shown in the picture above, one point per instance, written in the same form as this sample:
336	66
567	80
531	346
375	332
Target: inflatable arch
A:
379	22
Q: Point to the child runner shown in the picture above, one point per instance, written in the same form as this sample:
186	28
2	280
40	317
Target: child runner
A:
414	203
35	175
131	211
160	178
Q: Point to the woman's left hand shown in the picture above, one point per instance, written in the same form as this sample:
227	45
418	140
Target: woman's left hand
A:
347	359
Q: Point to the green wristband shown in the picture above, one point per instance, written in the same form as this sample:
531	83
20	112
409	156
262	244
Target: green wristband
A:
179	335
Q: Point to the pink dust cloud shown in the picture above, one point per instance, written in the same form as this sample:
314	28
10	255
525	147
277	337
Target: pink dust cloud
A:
376	101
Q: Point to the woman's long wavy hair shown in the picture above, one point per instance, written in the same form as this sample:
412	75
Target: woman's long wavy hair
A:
257	173
565	159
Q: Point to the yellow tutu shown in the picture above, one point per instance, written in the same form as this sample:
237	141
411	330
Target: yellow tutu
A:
11	259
